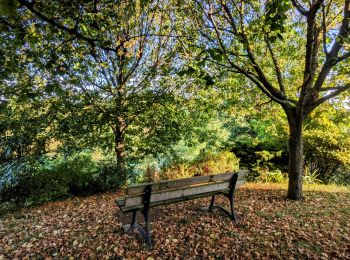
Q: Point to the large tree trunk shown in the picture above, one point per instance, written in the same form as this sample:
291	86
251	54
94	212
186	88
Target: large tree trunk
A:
120	149
296	157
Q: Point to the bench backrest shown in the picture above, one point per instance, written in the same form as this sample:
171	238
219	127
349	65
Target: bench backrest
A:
181	189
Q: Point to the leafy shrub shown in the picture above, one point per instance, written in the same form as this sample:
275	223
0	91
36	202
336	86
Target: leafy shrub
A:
107	178
311	177
264	170
275	176
341	176
205	164
79	168
327	143
29	181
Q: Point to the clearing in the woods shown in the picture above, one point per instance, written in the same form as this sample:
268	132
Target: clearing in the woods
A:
269	226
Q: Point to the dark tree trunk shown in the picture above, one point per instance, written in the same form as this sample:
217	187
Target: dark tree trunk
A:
296	156
120	149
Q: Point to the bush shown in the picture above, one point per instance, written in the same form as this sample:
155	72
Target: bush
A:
205	164
28	181
107	178
341	176
264	169
327	143
275	176
311	177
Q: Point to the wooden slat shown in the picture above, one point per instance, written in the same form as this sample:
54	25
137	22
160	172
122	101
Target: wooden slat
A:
176	193
172	184
239	183
126	209
242	175
171	201
120	202
174	189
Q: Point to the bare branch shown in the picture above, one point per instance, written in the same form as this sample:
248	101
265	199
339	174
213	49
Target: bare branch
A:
328	89
311	47
244	39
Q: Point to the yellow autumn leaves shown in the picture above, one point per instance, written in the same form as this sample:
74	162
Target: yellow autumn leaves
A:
128	49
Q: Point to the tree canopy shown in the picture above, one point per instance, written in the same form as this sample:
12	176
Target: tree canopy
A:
140	78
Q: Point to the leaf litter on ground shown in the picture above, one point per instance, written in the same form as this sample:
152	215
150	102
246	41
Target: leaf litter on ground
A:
269	227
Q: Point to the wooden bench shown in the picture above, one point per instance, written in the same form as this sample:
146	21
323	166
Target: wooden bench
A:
142	197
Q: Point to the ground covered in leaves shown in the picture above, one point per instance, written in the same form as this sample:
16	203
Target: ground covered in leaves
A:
269	227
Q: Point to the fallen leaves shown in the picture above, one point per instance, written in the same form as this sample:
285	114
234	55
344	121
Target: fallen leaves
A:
269	227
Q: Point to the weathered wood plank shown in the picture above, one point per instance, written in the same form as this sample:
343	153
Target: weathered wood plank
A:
239	183
172	184
167	184
171	201
120	202
126	209
242	175
176	193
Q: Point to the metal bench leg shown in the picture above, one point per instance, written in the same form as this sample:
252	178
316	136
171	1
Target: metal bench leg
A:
231	197
133	220
232	206
133	225
231	214
212	203
146	206
146	234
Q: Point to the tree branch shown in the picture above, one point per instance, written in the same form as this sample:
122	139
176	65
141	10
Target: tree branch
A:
342	58
299	7
337	91
276	65
324	30
74	31
331	59
244	39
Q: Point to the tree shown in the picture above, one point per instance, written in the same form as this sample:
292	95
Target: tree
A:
111	55
262	40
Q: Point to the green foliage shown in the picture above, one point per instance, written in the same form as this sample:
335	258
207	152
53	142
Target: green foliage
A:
204	164
311	177
276	17
106	177
8	7
275	176
340	176
34	181
264	169
327	141
117	71
31	181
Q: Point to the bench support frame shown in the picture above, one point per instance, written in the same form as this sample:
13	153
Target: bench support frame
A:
145	211
145	232
232	215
